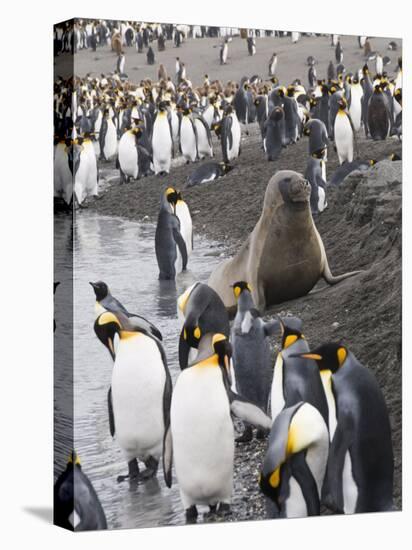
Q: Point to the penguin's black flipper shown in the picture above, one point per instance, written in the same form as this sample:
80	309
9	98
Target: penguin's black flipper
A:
167	456
184	350
301	472
111	415
247	411
179	240
332	492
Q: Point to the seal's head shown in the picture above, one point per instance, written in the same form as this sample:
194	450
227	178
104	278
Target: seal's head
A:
289	188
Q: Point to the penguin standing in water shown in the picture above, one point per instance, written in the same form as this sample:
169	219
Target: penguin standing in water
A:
188	136
230	134
295	380
274	134
314	174
181	210
251	353
168	239
273	61
200	440
140	394
203	311
107	137
76	504
295	463
105	301
344	133
85	170
162	142
360	466
150	56
223	52
379	122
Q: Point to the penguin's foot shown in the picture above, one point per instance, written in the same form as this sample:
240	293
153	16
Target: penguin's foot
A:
246	436
191	514
223	509
151	468
133	474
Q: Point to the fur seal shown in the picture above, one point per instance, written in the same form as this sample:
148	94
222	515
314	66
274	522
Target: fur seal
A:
284	256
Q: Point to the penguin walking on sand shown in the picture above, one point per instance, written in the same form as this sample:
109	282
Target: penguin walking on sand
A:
182	212
201	311
162	74
379	122
76	504
339	53
223	52
162	142
168	240
140	393
200	441
251	45
344	133
251	353
379	64
273	61
295	380
312	77
120	65
150	56
188	136
360	466
105	301
295	463
274	134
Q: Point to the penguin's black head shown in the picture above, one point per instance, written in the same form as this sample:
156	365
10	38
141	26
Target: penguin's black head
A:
291	330
192	335
239	287
100	289
274	80
106	326
378	88
56	284
73	460
162	106
173	195
330	356
342	103
290	91
394	156
226	167
372	162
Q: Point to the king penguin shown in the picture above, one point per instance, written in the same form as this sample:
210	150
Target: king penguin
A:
202	311
295	463
188	136
200	440
379	123
274	134
293	379
76	504
140	393
107	137
360	465
162	142
343	133
251	353
181	210
168	240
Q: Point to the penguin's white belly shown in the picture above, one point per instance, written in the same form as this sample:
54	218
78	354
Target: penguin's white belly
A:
295	504
203	147
322	204
224	54
85	181
208	114
128	155
63	179
186	226
175	127
110	142
343	138
355	109
233	152
277	400
203	437
188	140
138	382
350	490
162	145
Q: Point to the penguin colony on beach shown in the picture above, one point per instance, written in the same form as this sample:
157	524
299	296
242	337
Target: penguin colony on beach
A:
320	411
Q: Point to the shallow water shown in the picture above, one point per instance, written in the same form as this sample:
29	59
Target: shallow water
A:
121	253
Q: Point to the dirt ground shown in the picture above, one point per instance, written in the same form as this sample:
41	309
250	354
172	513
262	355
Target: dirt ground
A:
361	228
